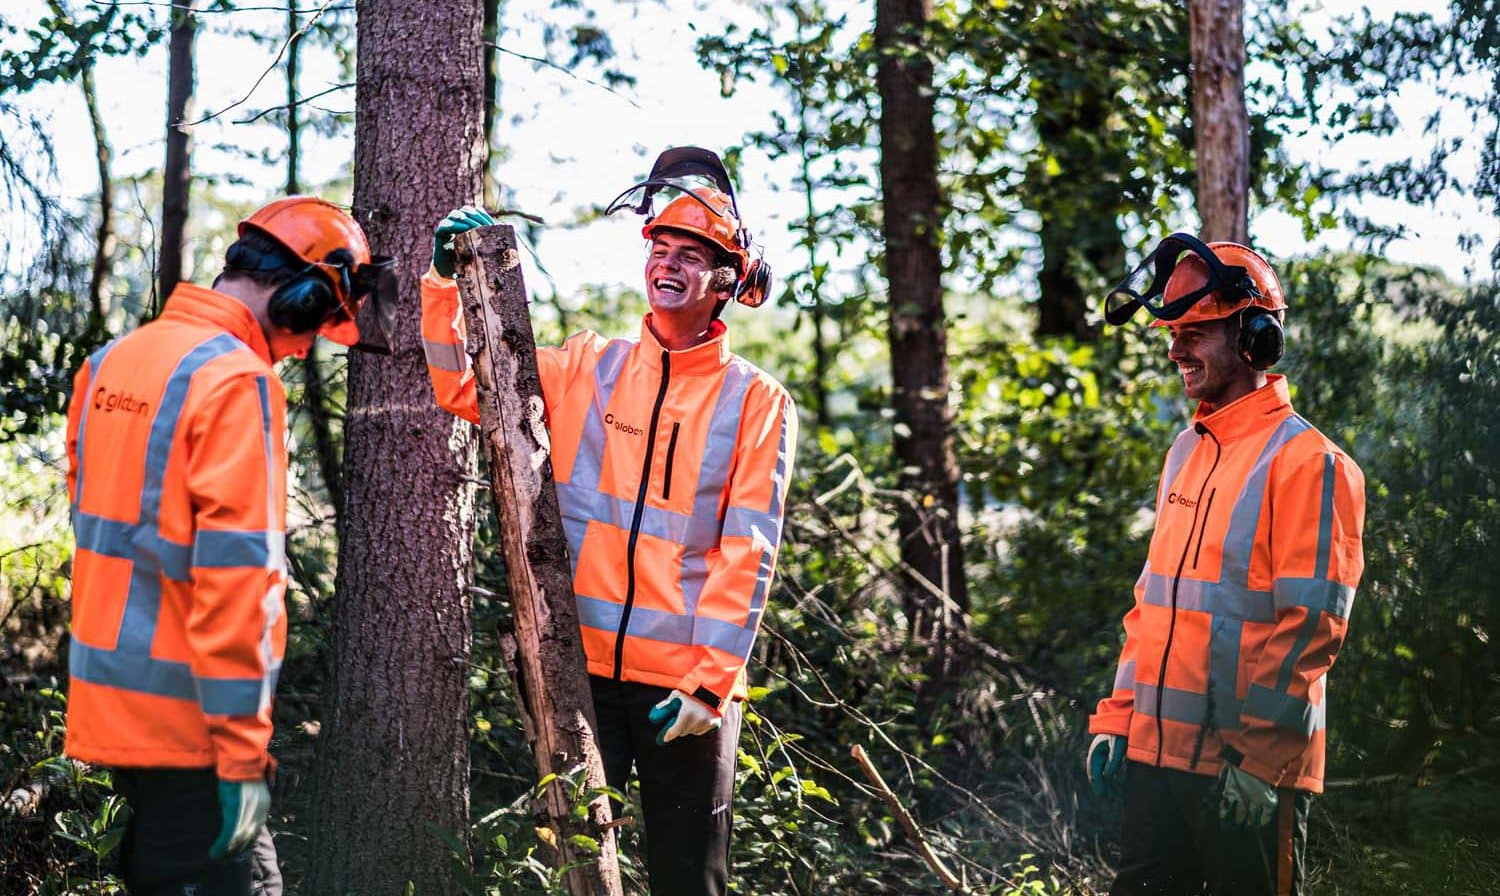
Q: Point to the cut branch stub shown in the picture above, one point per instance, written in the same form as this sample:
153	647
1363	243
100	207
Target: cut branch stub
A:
548	663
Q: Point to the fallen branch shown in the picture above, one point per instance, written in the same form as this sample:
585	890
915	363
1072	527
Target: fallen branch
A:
924	849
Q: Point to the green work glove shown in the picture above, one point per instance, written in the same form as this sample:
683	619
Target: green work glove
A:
243	806
1245	801
681	714
1106	756
458	221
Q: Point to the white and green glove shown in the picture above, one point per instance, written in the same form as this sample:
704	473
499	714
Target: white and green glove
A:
1245	801
1106	756
243	807
681	714
460	220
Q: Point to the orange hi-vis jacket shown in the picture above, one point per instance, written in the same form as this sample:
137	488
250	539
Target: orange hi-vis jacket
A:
177	476
671	470
1245	597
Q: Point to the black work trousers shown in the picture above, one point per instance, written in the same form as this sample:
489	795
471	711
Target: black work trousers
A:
1173	842
174	821
687	787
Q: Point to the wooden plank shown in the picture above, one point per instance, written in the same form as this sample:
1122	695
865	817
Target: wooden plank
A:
549	669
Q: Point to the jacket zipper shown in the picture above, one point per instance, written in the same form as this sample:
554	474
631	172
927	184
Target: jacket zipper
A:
1207	508
1166	651
635	519
666	486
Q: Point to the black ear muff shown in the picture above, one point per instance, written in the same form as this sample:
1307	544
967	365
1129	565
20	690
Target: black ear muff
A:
303	303
755	286
1262	339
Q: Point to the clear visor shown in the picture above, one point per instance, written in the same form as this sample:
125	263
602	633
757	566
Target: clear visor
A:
649	197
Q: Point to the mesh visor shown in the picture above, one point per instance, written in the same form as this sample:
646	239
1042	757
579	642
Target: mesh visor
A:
373	295
1145	286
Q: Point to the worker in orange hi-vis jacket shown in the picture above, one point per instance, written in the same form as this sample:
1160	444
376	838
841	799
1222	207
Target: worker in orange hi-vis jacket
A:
1216	718
177	478
671	457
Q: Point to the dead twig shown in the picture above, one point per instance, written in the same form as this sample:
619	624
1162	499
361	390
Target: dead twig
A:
924	849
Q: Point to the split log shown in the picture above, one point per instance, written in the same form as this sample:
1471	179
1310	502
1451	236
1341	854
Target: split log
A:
548	666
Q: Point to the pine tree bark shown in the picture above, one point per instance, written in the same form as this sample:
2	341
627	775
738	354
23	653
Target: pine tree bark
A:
393	763
177	175
1221	125
931	550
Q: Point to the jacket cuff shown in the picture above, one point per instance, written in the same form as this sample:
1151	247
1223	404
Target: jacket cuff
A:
693	687
245	770
1233	753
436	279
1109	725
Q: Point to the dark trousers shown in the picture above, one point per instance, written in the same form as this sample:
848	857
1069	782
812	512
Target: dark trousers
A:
1173	843
687	787
174	820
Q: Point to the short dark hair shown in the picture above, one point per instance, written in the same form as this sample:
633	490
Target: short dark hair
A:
257	257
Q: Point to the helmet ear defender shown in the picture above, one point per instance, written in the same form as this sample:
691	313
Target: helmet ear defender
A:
302	303
306	302
753	288
1262	339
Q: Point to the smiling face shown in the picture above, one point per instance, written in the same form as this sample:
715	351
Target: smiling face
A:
1212	370
679	281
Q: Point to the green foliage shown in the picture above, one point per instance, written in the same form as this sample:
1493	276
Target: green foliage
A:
1405	372
60	822
1061	445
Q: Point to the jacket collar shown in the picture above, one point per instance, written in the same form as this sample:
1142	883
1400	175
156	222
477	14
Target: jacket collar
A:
190	302
705	357
1249	414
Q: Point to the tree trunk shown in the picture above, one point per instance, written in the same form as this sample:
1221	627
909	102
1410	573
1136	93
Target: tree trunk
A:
293	126
1080	235
817	312
104	235
931	550
393	763
314	390
549	670
491	99
177	176
1221	126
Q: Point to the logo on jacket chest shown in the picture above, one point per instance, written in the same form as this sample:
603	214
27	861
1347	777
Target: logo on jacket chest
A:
1183	500
622	426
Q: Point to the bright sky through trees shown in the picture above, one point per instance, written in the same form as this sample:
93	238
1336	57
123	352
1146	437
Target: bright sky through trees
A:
571	142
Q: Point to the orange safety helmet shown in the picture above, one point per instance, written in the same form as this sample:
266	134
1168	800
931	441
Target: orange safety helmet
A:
707	214
327	239
1192	274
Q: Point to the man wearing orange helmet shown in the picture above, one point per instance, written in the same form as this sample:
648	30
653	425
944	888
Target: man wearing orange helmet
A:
1216	718
671	458
177	479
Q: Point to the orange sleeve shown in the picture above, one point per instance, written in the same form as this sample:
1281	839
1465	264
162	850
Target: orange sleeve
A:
443	336
740	569
1317	558
236	624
